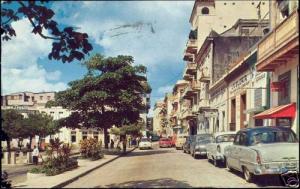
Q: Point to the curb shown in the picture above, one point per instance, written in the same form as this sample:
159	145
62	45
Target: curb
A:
88	171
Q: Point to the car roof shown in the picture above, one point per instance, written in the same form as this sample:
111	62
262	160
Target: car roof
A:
224	133
266	129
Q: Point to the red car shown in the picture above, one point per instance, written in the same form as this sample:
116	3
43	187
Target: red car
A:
165	142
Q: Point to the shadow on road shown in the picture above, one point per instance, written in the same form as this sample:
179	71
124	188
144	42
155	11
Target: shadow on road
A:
148	152
155	183
267	180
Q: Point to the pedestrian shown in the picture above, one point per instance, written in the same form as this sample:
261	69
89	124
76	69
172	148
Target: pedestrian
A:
112	143
35	155
129	141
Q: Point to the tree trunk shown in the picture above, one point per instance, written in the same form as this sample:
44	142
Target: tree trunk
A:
8	145
30	142
106	138
124	144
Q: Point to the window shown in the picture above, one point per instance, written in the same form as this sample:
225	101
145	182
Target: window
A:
258	122
273	136
285	93
41	97
26	98
60	112
73	138
51	112
233	3
284	122
84	135
205	10
283	6
245	31
48	97
20	97
32	98
12	97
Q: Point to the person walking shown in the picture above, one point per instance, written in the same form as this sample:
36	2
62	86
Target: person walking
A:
112	143
35	155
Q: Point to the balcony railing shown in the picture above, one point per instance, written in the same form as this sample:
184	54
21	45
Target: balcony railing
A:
188	113
196	85
188	56
189	92
191	46
203	102
204	77
195	109
284	33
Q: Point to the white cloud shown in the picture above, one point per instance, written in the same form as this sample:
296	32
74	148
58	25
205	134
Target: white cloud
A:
165	89
20	69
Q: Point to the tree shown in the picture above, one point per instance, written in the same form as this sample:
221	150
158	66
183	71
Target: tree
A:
39	124
109	94
11	125
67	43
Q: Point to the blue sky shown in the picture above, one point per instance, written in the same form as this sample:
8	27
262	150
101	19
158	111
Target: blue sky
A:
157	43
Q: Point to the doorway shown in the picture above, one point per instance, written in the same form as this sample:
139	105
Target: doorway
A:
243	105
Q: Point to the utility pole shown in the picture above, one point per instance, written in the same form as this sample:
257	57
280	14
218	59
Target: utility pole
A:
259	17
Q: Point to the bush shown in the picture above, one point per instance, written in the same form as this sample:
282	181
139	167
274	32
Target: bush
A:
5	183
91	148
58	160
35	170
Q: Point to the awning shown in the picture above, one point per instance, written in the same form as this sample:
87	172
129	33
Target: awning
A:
282	111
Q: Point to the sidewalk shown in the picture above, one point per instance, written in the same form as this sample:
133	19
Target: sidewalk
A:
58	181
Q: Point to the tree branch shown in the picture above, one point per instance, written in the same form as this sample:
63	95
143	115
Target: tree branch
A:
32	23
9	19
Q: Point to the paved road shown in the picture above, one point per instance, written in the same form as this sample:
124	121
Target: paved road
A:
17	173
161	168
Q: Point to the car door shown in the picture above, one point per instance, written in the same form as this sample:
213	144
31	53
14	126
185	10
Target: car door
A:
233	159
242	149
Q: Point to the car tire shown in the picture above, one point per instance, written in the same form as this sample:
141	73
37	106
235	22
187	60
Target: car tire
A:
216	163
249	177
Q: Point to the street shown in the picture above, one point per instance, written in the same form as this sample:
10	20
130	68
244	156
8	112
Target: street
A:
165	167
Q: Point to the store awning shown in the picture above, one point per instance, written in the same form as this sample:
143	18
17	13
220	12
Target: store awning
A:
282	111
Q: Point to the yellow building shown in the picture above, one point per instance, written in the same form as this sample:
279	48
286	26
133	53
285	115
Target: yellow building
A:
278	53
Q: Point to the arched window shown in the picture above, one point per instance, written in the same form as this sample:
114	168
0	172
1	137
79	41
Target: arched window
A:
205	10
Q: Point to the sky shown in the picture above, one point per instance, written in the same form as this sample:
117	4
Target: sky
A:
154	33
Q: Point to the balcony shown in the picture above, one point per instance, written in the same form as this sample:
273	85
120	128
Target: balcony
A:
191	68
204	77
187	114
203	102
191	46
189	92
195	109
196	86
279	45
188	56
187	77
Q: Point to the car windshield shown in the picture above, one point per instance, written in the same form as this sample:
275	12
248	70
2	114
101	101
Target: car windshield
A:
273	137
203	138
225	138
145	140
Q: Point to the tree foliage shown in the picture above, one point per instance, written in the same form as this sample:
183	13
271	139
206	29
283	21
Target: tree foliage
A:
11	124
109	94
67	43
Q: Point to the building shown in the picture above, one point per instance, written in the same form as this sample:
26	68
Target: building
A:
278	54
157	117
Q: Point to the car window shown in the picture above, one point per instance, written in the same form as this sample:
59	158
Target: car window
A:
237	139
225	138
243	139
273	137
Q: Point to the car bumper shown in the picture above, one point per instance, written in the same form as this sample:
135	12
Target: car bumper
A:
200	152
265	169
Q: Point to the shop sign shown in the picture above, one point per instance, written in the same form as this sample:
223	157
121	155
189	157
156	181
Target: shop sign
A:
244	80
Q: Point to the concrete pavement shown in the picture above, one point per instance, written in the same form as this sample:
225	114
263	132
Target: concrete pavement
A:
161	168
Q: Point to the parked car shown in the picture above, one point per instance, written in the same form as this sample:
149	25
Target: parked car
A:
155	138
186	145
215	149
145	143
165	142
180	141
198	144
263	151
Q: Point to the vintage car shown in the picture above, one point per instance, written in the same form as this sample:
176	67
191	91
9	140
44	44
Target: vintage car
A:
165	142
186	145
180	140
215	150
198	144
145	143
263	151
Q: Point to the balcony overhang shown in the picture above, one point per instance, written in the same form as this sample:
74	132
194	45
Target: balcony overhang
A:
188	56
280	45
191	46
191	68
188	77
